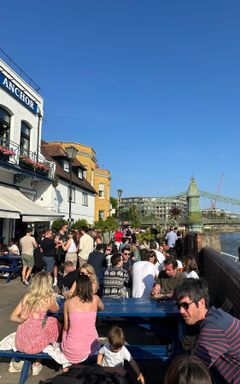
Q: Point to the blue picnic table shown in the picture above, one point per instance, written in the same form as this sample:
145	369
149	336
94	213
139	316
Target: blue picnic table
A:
160	317
10	264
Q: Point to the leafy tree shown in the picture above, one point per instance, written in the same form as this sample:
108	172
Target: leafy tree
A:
108	225
114	202
145	237
79	224
175	213
56	225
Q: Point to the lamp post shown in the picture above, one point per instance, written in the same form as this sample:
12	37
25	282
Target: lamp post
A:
119	192
71	154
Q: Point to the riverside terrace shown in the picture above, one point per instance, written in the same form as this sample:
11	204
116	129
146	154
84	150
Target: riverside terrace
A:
224	291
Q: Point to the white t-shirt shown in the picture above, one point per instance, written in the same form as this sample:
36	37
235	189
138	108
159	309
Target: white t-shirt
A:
160	256
114	359
14	249
143	276
192	274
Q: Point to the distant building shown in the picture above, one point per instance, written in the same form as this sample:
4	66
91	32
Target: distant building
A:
99	178
156	207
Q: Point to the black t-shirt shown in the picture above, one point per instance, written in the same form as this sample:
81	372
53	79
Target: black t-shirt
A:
98	261
69	278
48	246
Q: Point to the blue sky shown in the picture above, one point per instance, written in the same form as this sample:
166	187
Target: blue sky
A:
152	85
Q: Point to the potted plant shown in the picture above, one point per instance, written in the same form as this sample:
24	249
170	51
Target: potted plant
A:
26	162
5	153
42	168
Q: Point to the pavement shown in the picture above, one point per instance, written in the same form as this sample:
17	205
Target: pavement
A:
10	295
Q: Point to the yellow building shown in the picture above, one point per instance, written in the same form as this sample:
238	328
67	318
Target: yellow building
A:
97	177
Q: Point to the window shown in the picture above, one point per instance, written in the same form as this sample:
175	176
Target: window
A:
100	215
66	166
85	199
5	121
101	190
73	195
25	139
80	173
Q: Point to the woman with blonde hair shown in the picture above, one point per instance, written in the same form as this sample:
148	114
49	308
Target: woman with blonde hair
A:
88	270
36	330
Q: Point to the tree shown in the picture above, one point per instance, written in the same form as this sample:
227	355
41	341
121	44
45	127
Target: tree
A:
57	224
175	213
134	216
114	202
79	224
108	225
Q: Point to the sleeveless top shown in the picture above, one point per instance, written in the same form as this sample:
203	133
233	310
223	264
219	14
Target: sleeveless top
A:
72	247
81	339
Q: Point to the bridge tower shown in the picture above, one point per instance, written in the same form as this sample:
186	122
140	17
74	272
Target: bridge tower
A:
194	210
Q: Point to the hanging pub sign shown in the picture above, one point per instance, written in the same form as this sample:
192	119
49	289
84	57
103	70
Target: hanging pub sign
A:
18	93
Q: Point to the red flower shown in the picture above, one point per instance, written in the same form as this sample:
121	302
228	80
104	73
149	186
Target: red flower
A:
6	151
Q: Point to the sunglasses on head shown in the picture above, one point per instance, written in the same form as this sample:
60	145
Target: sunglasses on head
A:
184	305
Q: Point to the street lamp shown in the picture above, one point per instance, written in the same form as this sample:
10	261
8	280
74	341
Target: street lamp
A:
119	192
71	154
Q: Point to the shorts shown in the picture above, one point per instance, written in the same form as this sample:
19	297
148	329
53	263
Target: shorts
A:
27	260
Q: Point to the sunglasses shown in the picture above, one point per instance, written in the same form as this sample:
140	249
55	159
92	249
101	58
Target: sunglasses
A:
126	253
184	305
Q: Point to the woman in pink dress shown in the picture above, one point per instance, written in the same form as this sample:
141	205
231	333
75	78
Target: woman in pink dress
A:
36	330
80	338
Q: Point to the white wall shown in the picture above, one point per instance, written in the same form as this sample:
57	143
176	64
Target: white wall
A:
78	210
18	111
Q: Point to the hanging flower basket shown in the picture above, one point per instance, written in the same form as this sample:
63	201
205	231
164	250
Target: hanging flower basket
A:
5	153
42	168
26	162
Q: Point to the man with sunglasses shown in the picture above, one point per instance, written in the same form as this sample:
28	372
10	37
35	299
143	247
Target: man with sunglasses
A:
218	341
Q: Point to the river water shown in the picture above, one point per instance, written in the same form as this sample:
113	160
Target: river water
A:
230	241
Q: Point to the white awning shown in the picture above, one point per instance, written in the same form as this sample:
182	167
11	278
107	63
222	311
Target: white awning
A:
20	205
7	211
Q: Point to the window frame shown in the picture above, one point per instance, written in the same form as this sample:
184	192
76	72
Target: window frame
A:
84	199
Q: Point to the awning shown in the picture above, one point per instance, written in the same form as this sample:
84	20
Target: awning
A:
19	205
8	212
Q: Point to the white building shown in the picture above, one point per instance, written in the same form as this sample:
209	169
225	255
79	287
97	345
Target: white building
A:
23	169
56	196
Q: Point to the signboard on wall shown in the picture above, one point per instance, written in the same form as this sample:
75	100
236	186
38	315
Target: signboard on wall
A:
18	94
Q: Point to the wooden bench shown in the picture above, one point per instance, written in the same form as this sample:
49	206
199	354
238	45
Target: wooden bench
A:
10	264
138	352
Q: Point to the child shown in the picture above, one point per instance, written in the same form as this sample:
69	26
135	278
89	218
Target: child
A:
113	353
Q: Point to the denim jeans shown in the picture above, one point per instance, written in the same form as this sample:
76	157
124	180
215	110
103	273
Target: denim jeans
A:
49	262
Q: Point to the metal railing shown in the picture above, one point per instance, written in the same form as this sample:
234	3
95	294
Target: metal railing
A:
33	156
7	59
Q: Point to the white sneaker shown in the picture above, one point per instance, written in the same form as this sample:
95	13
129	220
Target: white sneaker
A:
36	369
15	366
5	274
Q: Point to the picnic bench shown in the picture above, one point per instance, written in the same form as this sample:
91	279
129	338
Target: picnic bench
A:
11	264
139	352
140	312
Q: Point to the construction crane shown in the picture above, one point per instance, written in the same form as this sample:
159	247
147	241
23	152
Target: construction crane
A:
213	202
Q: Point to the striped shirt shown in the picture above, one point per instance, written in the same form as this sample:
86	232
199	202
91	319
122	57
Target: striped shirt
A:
218	344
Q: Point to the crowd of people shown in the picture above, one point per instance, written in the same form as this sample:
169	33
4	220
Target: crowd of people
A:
85	269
